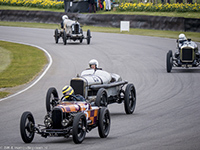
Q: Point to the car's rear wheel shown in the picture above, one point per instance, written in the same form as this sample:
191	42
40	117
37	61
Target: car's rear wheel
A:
130	99
79	128
101	98
51	98
104	122
88	36
81	40
27	127
64	38
169	60
56	36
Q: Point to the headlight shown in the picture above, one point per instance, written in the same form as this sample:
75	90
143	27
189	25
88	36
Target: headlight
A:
47	122
65	122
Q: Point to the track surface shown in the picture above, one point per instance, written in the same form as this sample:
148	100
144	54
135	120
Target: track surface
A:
167	114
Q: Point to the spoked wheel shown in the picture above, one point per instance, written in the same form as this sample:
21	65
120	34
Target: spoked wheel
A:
81	32
64	38
104	122
101	99
27	125
88	36
51	98
79	128
130	99
56	36
169	60
81	40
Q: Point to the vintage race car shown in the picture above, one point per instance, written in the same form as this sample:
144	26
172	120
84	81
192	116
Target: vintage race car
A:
187	55
66	118
74	32
101	88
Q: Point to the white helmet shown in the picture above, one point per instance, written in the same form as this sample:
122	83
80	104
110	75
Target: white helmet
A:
64	17
182	37
93	62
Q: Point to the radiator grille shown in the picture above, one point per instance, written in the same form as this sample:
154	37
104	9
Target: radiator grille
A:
78	86
187	55
76	29
57	118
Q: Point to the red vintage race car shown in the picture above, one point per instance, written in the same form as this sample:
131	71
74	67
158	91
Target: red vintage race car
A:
66	119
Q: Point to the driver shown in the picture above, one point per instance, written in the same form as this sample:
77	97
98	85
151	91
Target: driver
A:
68	93
181	39
93	64
67	23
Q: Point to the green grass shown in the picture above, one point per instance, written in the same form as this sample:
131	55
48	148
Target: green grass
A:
25	63
169	14
195	36
30	25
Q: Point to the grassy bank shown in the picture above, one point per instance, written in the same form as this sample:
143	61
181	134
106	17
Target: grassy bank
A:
195	36
19	64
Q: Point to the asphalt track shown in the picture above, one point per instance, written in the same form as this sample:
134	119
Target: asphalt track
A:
167	114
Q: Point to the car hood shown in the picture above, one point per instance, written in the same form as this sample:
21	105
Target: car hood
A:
73	106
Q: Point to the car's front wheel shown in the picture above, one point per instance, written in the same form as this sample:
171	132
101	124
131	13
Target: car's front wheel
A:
51	98
79	128
56	36
169	60
64	37
130	99
88	36
27	127
104	122
101	98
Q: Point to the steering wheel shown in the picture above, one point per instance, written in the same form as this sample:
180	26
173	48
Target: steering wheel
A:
70	96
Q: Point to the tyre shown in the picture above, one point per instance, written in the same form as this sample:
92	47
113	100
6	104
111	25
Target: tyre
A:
169	60
88	36
27	127
51	98
64	38
130	99
79	128
81	40
56	36
101	99
104	122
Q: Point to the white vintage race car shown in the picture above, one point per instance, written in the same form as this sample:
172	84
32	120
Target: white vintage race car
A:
187	55
73	32
101	88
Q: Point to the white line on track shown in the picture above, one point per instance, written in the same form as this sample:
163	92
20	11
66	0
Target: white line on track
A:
40	77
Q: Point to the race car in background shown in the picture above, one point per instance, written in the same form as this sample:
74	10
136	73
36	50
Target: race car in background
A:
71	30
187	54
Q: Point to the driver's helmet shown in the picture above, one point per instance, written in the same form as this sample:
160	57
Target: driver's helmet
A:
67	91
64	17
93	62
182	37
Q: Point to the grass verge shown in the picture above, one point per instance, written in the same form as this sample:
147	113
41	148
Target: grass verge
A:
195	36
25	63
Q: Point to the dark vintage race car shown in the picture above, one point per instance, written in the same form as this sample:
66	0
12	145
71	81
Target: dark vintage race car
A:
187	55
74	32
66	118
101	88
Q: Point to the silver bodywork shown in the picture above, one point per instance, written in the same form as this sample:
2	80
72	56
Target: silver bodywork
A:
187	55
91	81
